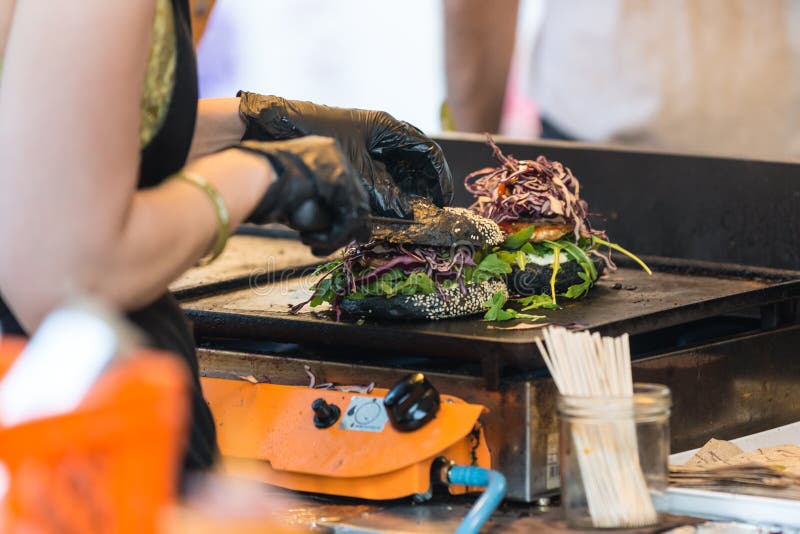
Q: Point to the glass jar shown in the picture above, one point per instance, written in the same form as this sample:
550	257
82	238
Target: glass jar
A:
613	454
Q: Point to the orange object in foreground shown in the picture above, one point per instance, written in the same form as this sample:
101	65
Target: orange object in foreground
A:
361	455
111	465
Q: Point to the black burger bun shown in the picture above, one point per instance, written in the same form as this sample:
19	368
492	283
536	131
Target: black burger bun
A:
535	279
448	304
440	227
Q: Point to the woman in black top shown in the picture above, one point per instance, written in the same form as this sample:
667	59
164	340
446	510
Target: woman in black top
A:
114	179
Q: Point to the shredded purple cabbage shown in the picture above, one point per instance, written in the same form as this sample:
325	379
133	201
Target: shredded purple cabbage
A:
363	264
534	190
373	260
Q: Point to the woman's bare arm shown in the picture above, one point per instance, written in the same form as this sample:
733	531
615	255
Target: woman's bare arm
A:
218	126
71	218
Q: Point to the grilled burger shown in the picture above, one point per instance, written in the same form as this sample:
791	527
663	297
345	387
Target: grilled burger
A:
438	268
551	247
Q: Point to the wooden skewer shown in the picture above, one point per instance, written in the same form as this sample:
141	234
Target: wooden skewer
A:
589	365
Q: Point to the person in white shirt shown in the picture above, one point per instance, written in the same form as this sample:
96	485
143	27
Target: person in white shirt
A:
700	76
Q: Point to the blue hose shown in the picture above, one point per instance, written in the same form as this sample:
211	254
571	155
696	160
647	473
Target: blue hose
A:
487	503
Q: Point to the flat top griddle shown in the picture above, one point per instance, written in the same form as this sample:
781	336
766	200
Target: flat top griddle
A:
246	257
678	292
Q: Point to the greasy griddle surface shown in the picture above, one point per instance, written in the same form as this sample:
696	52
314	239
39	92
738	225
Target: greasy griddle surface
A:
245	256
649	302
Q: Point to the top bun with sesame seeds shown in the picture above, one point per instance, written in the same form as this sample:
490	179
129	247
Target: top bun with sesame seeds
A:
441	227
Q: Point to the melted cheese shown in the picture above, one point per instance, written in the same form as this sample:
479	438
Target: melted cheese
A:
548	259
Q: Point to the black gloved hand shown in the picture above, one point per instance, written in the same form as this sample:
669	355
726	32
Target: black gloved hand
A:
316	192
393	158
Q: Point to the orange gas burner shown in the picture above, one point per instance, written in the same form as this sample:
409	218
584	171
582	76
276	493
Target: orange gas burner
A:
379	445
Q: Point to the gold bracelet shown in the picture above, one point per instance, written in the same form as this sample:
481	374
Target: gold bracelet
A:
223	220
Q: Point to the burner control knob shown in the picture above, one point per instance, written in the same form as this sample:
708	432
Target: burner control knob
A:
411	403
325	415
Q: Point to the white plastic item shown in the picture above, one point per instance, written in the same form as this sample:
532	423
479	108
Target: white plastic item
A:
59	365
763	511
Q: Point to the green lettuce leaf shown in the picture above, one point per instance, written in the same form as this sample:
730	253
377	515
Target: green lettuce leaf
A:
597	241
490	267
327	267
517	239
395	282
534	302
517	257
580	256
495	311
323	292
577	291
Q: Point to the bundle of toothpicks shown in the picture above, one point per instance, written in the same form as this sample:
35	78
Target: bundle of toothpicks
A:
588	365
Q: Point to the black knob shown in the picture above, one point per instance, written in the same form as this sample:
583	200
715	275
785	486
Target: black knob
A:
325	414
411	403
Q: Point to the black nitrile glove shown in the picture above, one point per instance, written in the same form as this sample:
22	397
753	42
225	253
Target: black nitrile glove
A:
316	192
393	158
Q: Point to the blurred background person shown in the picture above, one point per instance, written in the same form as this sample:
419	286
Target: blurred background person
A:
703	76
349	53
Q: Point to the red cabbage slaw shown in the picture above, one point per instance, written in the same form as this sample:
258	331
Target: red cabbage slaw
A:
437	262
535	190
363	264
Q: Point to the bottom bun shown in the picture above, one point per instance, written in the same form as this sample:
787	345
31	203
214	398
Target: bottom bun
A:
448	304
535	279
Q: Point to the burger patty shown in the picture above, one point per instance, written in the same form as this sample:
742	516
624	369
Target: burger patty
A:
448	304
535	279
541	231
